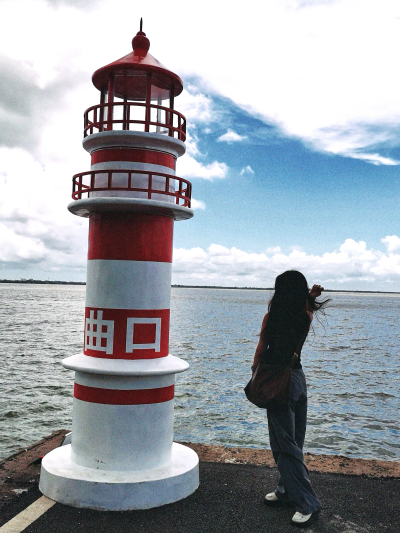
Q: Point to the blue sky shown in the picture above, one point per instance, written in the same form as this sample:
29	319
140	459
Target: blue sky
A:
293	148
280	192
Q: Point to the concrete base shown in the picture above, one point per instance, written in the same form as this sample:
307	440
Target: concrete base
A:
69	483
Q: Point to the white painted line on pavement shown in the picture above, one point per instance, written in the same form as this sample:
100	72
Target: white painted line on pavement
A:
27	516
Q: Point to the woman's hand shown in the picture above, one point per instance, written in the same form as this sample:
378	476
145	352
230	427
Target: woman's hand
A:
316	291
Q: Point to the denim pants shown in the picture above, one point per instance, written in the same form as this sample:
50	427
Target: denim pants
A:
287	429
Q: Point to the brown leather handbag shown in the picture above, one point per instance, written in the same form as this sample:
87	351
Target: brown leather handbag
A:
270	384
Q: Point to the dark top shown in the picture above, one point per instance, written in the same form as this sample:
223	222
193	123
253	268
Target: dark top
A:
274	356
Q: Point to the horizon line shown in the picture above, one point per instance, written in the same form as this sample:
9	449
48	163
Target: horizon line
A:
180	286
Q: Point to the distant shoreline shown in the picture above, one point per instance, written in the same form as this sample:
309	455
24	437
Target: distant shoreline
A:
271	289
48	282
41	282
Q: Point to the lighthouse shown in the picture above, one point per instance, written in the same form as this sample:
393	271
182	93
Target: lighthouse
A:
122	455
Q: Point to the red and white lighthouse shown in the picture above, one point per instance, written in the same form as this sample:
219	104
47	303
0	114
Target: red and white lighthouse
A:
122	454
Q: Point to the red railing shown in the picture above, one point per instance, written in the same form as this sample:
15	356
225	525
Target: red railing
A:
85	183
127	116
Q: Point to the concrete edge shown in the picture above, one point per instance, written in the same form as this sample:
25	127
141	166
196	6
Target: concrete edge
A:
328	464
19	473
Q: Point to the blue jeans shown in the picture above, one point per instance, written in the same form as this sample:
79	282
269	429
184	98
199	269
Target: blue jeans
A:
287	429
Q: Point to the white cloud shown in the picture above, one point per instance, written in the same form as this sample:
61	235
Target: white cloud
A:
191	143
188	167
375	159
196	106
189	256
231	136
16	248
246	170
387	266
273	250
353	266
352	141
36	227
197	204
392	243
198	109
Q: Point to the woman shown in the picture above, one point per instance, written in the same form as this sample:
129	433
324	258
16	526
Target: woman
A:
284	329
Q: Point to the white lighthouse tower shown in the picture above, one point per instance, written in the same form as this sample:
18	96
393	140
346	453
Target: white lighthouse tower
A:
122	454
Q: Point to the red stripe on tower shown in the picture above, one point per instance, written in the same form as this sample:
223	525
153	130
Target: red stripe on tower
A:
126	334
135	156
123	397
131	237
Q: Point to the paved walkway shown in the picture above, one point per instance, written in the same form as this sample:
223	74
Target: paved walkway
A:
230	499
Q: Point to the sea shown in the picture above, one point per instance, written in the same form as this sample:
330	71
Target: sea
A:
351	361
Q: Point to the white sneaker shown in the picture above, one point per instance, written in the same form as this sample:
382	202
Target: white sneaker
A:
271	497
304	520
272	500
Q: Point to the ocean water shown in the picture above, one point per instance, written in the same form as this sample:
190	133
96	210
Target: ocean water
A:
351	362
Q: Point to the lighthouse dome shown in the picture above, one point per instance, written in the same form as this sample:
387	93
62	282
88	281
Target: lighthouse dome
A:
131	71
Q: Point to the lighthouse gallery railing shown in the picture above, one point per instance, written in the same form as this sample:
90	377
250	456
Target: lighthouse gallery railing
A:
85	183
123	116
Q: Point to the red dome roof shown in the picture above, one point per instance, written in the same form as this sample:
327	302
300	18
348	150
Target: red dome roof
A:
130	74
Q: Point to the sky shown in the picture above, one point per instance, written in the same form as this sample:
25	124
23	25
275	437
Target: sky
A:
293	147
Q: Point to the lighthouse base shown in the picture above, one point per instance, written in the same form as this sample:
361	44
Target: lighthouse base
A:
69	483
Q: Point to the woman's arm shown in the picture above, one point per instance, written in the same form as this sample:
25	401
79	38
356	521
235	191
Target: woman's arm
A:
261	347
314	293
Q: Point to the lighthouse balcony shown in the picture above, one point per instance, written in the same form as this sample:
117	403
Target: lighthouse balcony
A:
131	190
132	184
135	116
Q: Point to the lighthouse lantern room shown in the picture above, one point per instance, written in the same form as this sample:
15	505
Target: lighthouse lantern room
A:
122	455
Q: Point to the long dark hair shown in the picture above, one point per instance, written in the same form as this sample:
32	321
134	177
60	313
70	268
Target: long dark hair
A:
288	321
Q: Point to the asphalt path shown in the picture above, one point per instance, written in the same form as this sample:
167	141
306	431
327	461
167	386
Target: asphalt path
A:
230	499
